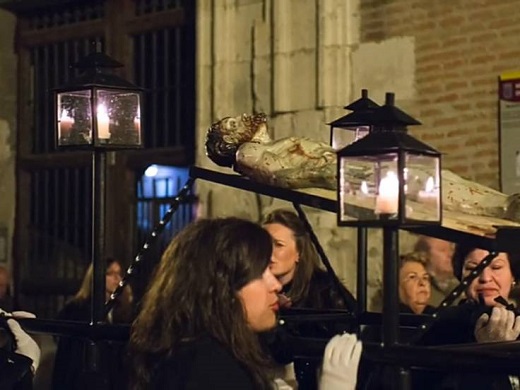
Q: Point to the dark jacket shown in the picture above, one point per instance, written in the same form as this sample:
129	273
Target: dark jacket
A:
15	371
71	370
200	365
456	325
323	294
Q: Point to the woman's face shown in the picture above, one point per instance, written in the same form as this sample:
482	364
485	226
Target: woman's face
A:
285	253
495	280
414	286
112	277
260	301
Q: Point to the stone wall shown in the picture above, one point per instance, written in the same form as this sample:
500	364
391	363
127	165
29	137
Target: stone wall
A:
7	124
300	61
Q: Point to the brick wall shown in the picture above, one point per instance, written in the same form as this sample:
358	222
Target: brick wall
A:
460	49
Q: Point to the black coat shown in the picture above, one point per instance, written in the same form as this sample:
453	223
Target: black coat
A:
456	325
15	371
200	365
70	364
323	294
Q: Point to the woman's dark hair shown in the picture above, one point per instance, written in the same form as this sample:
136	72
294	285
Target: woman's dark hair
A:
309	259
462	251
193	293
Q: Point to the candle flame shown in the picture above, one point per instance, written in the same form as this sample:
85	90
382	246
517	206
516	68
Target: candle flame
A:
389	185
102	110
364	187
430	185
65	115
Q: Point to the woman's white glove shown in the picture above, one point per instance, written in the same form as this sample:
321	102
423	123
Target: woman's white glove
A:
25	345
340	363
501	326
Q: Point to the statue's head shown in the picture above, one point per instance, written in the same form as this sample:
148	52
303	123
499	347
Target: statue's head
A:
225	136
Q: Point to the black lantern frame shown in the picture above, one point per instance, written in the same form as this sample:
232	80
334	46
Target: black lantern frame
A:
389	178
355	125
98	109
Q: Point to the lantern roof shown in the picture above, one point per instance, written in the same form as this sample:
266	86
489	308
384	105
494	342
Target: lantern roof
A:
363	103
97	68
390	117
382	142
363	109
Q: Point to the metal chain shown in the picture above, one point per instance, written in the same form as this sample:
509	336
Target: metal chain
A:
181	196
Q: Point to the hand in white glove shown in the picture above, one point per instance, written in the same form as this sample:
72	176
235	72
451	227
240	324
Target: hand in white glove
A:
25	345
340	363
501	326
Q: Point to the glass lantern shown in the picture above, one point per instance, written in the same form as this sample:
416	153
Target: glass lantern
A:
98	109
389	178
355	125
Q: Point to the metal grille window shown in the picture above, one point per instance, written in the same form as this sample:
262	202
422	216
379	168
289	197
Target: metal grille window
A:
143	7
154	39
163	85
58	249
156	191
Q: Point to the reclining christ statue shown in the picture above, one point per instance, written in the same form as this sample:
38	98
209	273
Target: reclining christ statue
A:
244	143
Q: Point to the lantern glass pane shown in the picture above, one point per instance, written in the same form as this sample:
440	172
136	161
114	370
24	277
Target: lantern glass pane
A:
118	117
74	115
423	195
369	187
343	136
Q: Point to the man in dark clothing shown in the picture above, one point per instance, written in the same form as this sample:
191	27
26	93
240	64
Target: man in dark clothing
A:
19	356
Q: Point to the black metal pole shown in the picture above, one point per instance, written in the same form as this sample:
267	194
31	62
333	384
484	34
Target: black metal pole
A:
93	375
400	376
98	236
390	334
361	270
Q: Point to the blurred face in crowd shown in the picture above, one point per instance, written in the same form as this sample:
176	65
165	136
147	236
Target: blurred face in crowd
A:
260	300
285	252
440	254
495	280
112	277
414	286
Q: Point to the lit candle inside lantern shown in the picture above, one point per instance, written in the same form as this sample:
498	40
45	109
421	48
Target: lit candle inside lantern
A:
137	124
387	199
103	122
428	195
66	123
364	187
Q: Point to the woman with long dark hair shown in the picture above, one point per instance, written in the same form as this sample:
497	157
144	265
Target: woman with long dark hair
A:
210	296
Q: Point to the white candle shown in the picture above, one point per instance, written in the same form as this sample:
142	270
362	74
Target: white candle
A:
429	194
137	124
103	122
66	123
364	187
387	198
